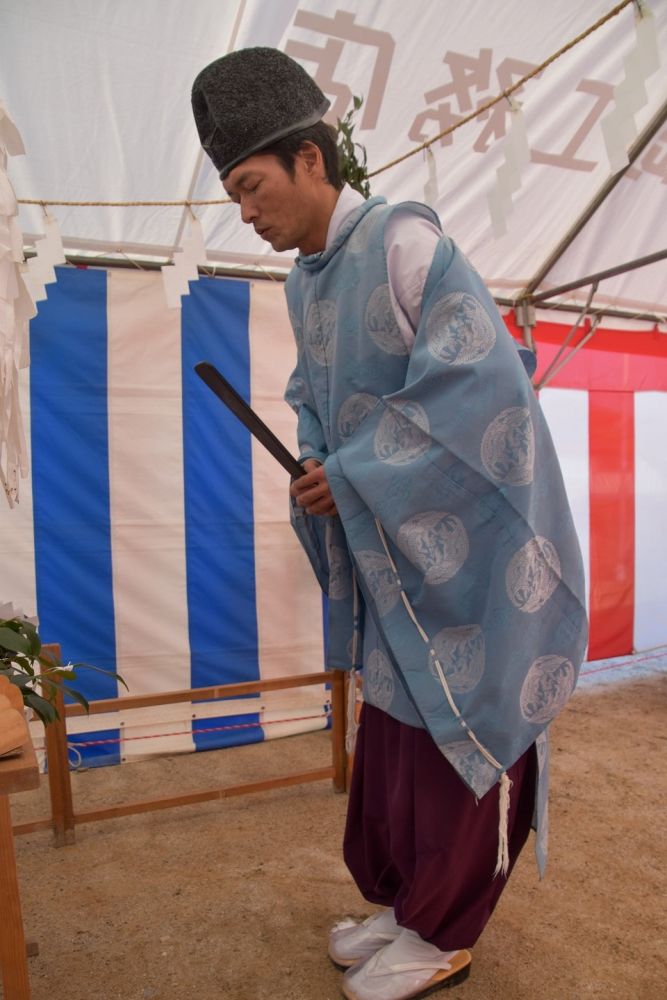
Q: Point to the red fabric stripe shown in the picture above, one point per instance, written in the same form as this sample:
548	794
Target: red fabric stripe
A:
612	523
628	360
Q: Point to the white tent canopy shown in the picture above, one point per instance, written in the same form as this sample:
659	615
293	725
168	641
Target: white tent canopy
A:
101	95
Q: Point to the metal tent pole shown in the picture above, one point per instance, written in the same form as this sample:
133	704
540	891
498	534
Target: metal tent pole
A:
631	265
567	340
554	371
635	150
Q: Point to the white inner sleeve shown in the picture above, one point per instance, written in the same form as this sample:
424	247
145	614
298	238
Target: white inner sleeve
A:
409	244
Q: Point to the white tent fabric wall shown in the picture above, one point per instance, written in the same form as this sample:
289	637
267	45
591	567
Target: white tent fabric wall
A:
101	96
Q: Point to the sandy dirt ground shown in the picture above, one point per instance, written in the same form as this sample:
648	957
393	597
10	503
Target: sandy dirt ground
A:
233	900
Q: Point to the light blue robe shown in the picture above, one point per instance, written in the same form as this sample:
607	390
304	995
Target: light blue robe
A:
454	542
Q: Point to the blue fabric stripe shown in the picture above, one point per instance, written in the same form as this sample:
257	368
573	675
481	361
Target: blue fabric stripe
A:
219	528
70	481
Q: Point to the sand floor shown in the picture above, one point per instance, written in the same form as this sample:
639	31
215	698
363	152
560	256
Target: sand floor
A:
233	899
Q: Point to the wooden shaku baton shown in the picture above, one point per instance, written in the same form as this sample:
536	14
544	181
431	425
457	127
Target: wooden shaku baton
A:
230	397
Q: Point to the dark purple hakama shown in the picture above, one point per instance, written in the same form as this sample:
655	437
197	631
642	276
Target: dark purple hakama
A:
417	838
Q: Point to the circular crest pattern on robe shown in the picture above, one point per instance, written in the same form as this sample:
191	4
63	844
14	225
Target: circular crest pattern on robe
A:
321	331
461	654
340	581
380	579
381	322
508	447
379	679
546	689
297	327
353	411
459	331
436	542
403	433
533	574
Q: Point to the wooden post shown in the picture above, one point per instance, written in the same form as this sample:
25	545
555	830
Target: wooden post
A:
338	730
60	785
12	940
17	774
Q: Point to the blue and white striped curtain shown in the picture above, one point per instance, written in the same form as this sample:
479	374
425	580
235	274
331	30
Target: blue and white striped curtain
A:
153	536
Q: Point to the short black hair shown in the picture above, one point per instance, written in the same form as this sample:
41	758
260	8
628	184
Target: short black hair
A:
321	135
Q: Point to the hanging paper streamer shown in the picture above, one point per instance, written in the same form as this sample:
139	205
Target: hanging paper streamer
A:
48	252
16	310
618	127
508	175
184	269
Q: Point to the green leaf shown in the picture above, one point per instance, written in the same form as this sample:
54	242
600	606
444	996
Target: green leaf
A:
21	662
33	638
20	680
100	670
73	693
352	165
47	685
11	639
43	708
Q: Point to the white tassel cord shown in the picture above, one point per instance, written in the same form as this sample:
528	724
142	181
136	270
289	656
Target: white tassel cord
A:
352	726
503	859
505	783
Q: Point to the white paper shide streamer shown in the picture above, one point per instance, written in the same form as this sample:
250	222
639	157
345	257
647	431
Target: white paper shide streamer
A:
184	268
618	127
16	310
516	152
41	268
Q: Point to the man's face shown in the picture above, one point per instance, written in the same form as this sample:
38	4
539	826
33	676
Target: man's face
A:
285	211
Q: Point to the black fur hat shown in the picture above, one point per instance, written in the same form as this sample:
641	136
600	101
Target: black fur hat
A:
249	99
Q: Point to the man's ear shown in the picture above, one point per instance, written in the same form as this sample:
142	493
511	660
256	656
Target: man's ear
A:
312	159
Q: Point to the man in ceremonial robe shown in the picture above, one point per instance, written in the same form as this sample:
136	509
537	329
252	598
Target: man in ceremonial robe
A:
434	515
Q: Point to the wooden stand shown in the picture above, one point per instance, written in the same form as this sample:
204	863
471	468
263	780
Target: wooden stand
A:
64	818
17	774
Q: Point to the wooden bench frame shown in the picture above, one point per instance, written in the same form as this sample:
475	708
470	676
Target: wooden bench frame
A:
64	819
